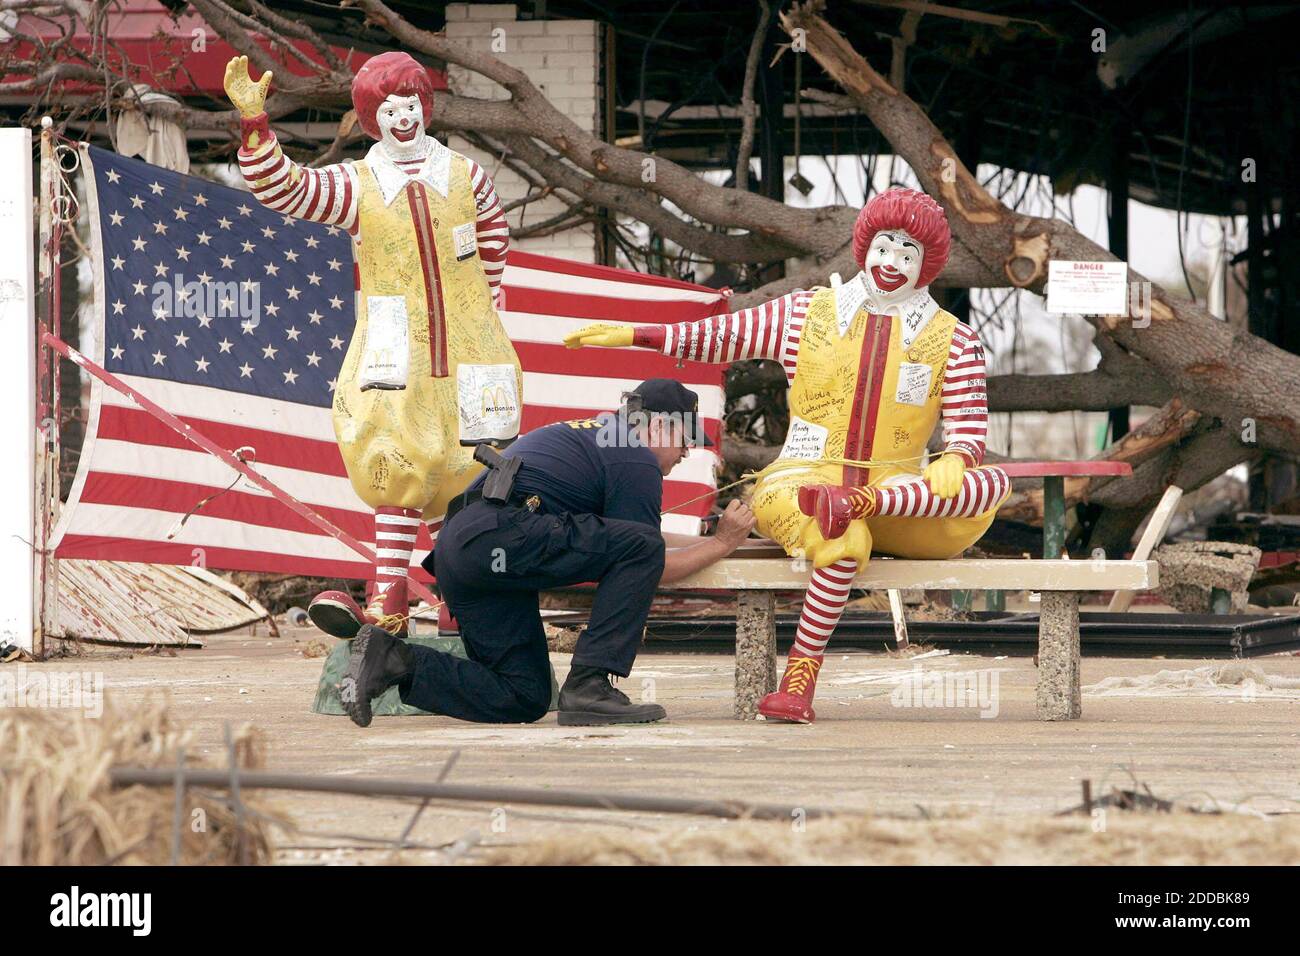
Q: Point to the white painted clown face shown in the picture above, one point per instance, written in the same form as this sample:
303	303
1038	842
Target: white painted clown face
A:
401	125
893	265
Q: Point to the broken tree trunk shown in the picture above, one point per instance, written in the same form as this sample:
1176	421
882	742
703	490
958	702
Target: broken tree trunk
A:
1246	382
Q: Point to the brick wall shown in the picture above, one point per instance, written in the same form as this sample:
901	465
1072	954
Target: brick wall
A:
562	58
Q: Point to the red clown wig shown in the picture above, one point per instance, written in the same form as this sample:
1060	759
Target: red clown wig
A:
383	76
914	213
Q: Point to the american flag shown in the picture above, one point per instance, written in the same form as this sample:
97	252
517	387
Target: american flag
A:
236	320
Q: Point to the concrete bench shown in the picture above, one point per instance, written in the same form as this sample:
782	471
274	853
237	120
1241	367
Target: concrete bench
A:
759	569
756	579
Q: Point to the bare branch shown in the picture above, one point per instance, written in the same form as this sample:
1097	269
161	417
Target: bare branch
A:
1200	357
748	111
528	111
717	245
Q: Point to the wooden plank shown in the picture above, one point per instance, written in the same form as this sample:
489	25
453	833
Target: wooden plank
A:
128	603
1011	574
1152	536
19	614
900	619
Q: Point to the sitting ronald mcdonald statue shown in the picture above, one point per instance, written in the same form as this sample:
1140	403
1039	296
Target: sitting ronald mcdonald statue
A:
874	364
429	239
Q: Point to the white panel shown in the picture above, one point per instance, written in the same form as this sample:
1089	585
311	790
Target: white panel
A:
17	387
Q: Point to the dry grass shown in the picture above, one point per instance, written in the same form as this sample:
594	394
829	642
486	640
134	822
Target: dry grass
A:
315	648
57	807
1126	839
561	640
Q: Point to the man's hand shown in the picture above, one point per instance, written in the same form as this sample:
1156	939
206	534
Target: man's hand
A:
945	475
683	559
735	525
249	97
602	334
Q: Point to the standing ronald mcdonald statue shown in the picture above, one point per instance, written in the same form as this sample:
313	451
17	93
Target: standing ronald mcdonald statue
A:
874	364
429	360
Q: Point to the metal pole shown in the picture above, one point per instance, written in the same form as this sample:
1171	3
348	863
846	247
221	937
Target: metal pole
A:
47	397
387	787
1053	516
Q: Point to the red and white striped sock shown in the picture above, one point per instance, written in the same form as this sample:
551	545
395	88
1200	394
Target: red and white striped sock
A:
395	531
828	592
981	488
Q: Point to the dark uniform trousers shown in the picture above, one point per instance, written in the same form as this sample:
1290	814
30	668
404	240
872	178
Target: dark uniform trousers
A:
491	561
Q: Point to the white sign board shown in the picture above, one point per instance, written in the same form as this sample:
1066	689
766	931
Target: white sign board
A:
804	441
17	388
1087	288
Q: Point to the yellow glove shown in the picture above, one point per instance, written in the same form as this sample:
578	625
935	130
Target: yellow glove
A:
945	474
855	543
602	334
249	97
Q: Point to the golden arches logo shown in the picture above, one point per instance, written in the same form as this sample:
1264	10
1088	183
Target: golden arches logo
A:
496	399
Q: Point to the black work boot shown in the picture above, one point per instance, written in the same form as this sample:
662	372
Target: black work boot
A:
377	662
587	699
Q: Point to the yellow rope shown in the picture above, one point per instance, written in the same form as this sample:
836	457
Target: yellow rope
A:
788	464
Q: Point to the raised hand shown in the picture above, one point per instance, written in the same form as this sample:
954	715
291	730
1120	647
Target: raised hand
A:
249	97
602	334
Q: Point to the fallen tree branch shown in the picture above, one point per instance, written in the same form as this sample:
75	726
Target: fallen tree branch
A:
1229	374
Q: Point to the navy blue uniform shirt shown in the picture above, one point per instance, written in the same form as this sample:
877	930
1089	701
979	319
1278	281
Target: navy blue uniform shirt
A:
587	467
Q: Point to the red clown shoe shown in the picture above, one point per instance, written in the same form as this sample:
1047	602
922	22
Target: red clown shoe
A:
793	700
834	506
335	613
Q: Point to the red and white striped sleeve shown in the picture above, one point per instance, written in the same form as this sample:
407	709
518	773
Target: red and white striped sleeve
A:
965	408
328	195
491	228
767	331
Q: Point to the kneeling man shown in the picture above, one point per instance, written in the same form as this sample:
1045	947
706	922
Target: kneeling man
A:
584	506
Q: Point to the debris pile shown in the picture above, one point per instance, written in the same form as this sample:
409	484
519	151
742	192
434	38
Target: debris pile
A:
1177	837
1191	570
57	806
1235	678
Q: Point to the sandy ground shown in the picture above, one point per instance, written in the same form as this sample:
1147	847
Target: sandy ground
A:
940	783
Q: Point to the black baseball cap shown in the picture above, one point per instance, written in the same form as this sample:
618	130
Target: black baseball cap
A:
671	396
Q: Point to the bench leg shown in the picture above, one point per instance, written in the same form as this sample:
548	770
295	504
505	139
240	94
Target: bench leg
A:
1059	696
755	651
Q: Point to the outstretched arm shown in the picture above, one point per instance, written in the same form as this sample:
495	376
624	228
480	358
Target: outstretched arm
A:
327	195
760	332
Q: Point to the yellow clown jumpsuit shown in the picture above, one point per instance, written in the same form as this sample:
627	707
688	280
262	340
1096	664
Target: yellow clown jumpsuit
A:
401	447
862	407
850	386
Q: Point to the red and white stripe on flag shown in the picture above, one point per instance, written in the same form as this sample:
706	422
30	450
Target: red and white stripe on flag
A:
137	478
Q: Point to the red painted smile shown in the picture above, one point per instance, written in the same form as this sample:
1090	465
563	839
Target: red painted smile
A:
405	134
888	278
